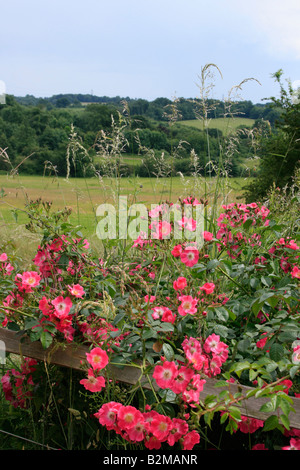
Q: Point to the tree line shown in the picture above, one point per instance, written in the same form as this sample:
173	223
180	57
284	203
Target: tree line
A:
36	132
156	109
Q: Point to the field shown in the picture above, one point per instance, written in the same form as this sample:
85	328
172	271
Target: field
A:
225	125
83	196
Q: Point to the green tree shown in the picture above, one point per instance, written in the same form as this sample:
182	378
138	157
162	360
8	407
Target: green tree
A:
51	138
95	117
38	119
280	152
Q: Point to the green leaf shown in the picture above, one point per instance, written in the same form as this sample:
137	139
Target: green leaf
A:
244	344
240	366
253	374
235	413
209	399
110	287
266	281
271	423
114	334
261	392
256	306
208	418
266	296
253	282
31	323
232	315
267	407
285	407
271	367
149	358
166	327
212	404
232	426
248	223
273	301
63	261
221	313
224	418
170	396
293	371
287	336
118	318
118	361
221	330
212	264
251	393
166	408
285	421
276	352
46	339
168	351
36	334
149	334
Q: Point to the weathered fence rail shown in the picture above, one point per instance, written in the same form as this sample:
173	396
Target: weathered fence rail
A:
73	356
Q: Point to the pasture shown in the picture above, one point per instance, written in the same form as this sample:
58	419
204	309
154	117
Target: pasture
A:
83	196
225	125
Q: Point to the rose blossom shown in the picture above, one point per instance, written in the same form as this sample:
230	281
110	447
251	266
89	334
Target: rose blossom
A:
177	250
62	306
190	440
76	290
165	374
30	279
180	283
208	236
189	256
97	358
295	272
208	287
3	257
128	417
92	383
107	415
188	305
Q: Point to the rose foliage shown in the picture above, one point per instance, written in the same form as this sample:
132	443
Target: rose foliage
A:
180	314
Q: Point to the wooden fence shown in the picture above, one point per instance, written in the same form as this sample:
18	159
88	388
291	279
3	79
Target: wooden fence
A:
73	356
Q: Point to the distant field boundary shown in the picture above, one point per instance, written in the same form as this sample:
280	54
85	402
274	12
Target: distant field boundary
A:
222	124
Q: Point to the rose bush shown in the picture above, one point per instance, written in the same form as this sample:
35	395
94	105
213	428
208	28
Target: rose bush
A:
179	312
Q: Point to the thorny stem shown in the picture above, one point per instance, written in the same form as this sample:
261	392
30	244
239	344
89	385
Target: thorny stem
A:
236	400
51	390
233	280
160	274
15	310
122	364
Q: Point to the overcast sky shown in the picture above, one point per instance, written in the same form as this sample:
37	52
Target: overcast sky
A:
147	49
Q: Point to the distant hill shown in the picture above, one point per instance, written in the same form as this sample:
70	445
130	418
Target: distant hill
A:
42	128
156	109
66	100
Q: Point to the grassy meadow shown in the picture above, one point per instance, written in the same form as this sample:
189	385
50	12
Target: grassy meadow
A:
83	196
225	125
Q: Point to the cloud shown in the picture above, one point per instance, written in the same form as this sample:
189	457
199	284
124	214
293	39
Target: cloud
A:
146	48
275	25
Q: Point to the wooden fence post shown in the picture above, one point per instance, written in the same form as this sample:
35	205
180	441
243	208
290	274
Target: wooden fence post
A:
74	356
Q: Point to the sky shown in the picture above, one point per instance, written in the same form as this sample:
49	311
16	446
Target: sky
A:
149	49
